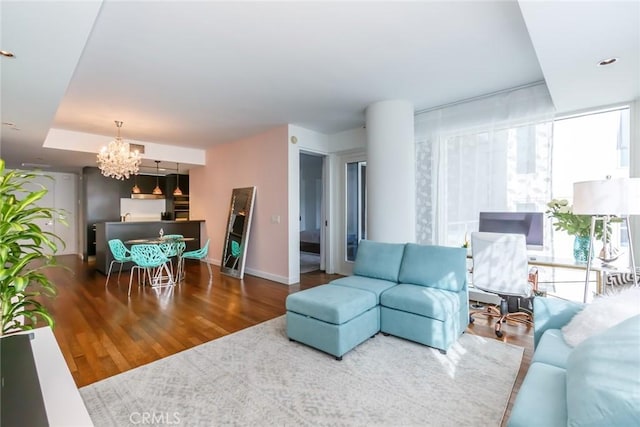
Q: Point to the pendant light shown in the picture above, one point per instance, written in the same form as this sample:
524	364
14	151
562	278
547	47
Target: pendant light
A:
177	191
135	189
157	191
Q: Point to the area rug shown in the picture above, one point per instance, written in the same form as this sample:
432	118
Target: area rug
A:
309	262
258	377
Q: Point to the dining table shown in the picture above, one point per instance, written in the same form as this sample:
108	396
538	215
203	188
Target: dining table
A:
156	240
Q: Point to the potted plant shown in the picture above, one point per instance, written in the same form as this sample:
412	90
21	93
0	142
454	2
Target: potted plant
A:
24	252
575	225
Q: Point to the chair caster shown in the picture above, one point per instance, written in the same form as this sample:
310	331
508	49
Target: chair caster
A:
499	334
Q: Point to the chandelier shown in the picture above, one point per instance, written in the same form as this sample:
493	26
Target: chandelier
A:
116	160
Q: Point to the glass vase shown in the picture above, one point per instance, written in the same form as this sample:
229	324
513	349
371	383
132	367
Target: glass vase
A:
581	249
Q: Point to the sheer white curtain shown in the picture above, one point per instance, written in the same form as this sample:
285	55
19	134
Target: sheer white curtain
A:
488	154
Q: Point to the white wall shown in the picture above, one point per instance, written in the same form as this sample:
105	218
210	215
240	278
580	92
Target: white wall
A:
348	140
309	140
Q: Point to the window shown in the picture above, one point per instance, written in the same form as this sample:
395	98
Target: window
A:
526	150
491	153
588	147
488	171
516	168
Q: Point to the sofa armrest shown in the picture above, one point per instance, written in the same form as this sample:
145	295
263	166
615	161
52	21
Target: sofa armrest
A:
552	313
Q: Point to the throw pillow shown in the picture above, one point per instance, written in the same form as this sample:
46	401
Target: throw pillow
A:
603	313
603	378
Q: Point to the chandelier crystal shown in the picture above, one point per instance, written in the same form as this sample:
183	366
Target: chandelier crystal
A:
116	160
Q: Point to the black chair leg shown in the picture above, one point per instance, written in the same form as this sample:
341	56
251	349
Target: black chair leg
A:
499	333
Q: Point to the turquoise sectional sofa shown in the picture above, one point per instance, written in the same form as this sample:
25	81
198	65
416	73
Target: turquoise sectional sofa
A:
416	292
596	383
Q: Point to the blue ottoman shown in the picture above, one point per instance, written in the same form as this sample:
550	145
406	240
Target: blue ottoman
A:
331	318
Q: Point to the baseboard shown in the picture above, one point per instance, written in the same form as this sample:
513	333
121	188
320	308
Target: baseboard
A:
257	273
273	277
213	261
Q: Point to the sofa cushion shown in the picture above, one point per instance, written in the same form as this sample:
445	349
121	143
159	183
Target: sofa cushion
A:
377	286
378	260
552	349
428	302
331	304
552	313
542	398
601	314
434	266
603	378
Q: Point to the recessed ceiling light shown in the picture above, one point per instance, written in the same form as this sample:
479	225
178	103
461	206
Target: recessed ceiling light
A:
7	54
607	61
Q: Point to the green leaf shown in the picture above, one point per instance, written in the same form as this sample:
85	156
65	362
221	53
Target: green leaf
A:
24	251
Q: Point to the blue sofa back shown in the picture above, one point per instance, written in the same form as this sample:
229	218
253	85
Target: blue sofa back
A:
379	260
603	378
440	267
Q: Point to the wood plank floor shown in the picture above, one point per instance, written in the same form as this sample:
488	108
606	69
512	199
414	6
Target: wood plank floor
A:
102	332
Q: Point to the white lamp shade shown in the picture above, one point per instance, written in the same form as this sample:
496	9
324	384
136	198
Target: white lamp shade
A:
619	196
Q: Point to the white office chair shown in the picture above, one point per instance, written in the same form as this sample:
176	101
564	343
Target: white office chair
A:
500	266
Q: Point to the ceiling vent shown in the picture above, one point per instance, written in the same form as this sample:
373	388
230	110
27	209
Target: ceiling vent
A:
134	147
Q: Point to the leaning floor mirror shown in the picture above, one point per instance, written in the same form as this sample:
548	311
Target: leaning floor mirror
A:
237	232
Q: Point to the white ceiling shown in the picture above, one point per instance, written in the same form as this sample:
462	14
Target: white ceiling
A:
194	74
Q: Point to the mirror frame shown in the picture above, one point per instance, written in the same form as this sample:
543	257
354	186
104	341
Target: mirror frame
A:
237	267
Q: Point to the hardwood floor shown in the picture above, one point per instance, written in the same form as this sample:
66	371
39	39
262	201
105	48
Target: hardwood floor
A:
102	332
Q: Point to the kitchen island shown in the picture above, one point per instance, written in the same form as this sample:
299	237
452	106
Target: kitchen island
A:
129	230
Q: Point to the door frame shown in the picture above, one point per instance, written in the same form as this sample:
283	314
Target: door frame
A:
324	223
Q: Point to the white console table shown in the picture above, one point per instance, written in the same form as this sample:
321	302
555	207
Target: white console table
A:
62	400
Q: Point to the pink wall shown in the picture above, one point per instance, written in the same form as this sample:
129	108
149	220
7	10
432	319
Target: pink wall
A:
260	160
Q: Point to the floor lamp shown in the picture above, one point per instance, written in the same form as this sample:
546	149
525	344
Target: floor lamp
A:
619	197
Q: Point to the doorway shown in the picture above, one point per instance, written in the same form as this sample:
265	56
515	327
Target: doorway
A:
312	219
62	194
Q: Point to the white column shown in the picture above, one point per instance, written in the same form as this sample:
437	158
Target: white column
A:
391	213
